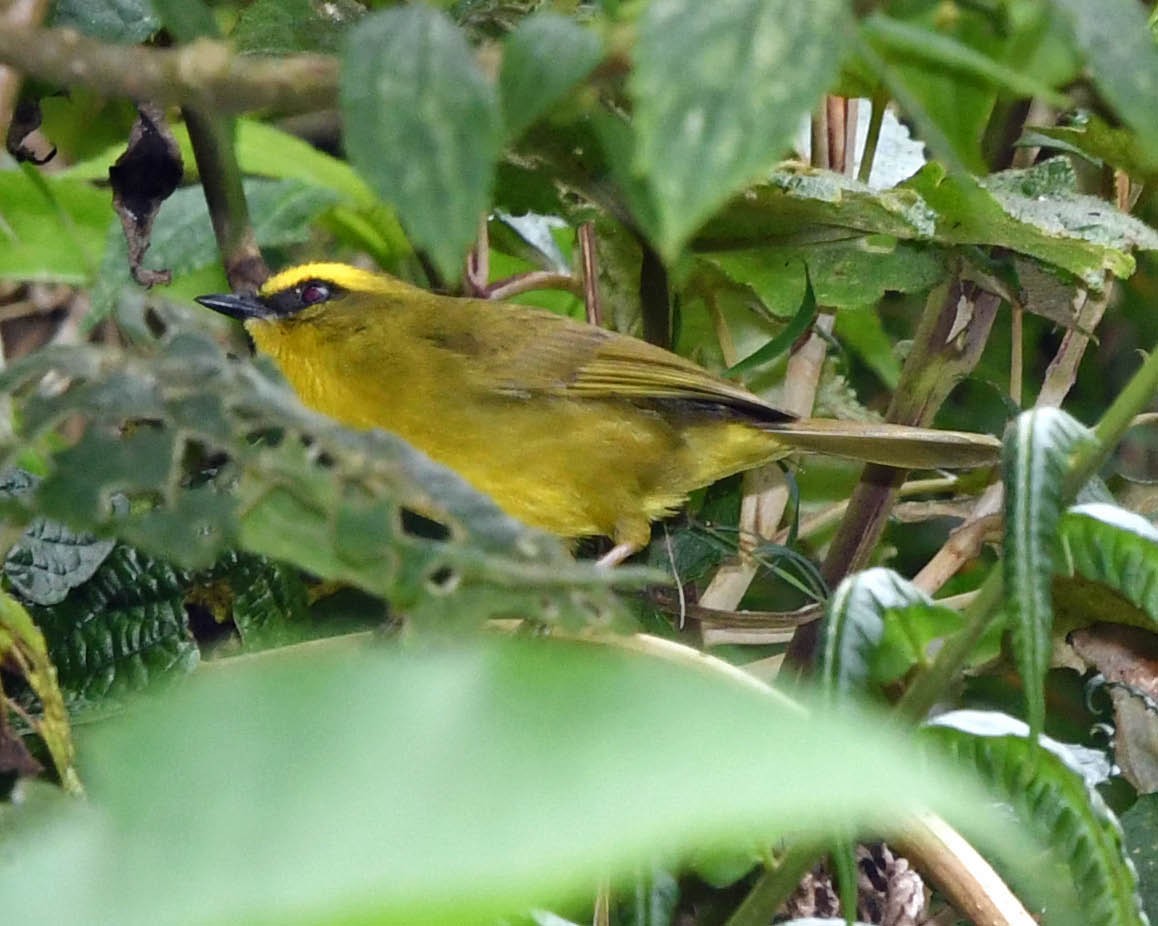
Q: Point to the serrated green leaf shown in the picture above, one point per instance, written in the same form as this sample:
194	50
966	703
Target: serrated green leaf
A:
1113	546
854	625
127	21
543	59
270	605
121	631
1063	812
422	126
358	731
1035	458
718	91
1123	60
855	272
49	560
51	229
1035	212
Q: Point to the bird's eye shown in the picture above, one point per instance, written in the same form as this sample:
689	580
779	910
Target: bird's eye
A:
314	292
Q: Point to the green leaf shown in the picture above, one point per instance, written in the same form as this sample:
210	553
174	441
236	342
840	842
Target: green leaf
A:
718	91
282	27
543	59
51	229
187	19
1035	459
856	272
1140	826
127	21
1062	811
854	625
270	604
49	560
422	791
1123	60
1113	546
299	488
803	205
422	126
1036	212
121	631
946	52
1096	141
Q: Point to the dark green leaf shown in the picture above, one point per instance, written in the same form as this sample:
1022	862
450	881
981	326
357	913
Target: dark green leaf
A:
718	91
1123	60
187	19
395	758
49	561
1035	458
1062	811
422	126
128	21
281	27
1140	825
121	631
543	59
793	331
1113	546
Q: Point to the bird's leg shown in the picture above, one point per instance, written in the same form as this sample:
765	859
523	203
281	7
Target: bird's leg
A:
617	554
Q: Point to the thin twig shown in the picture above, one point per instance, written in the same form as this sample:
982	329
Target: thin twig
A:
535	279
590	273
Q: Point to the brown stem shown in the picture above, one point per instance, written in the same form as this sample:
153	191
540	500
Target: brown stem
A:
205	73
211	137
947	345
590	273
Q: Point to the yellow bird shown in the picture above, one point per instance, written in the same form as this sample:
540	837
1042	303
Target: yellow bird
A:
568	427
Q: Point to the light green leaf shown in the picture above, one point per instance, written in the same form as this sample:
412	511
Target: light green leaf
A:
1036	212
449	785
281	27
718	91
855	272
1123	61
1037	449
422	126
51	229
543	59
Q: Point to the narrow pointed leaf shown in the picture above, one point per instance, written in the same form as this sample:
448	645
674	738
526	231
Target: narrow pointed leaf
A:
1038	445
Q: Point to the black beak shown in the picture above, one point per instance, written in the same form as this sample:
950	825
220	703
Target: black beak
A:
235	305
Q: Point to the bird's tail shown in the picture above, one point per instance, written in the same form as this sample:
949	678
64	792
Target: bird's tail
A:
889	444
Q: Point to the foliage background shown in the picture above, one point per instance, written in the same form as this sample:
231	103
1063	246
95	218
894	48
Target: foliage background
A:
171	511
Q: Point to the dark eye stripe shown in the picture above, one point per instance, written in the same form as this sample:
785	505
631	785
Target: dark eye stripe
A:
311	292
